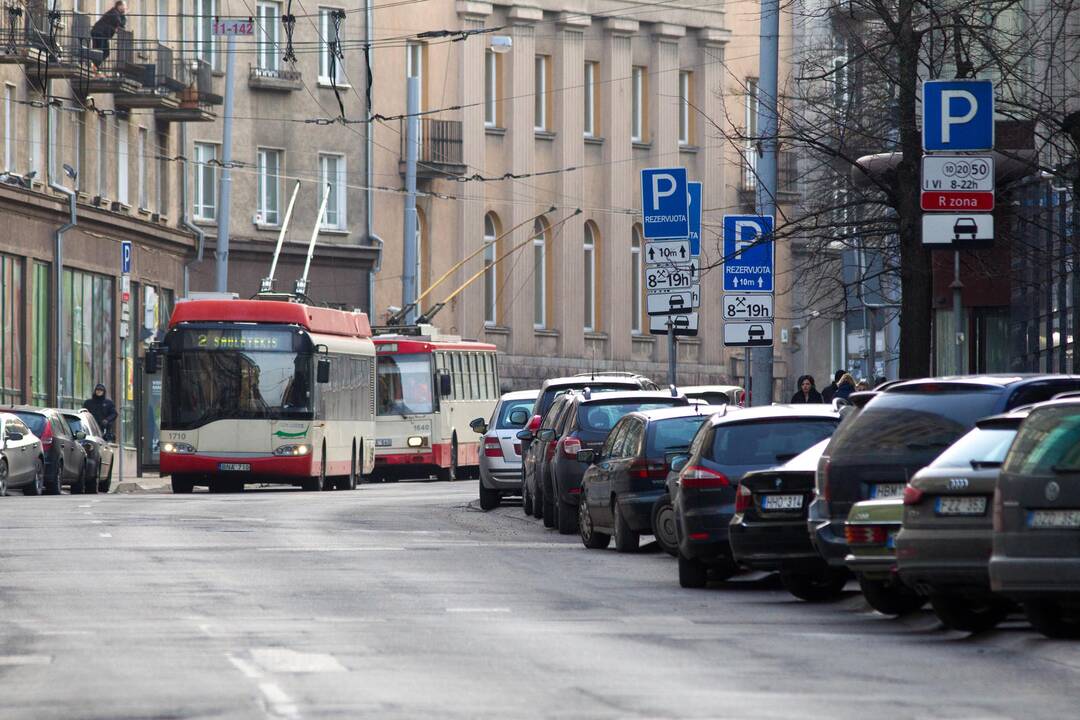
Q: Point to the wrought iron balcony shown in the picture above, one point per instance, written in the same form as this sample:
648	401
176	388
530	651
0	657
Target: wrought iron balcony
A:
45	41
439	153
279	79
196	97
787	172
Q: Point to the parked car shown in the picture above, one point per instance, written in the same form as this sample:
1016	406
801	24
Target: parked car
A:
768	531
22	464
870	531
725	448
900	430
99	453
625	478
541	447
714	394
1036	516
65	459
500	460
947	531
584	426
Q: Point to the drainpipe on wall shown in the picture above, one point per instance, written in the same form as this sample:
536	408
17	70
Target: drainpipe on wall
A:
373	240
58	277
200	236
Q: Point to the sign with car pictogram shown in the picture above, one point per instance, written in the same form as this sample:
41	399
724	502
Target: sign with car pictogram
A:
673	302
748	334
685	324
942	230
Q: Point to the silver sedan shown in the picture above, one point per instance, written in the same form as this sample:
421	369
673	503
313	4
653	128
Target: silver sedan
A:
500	456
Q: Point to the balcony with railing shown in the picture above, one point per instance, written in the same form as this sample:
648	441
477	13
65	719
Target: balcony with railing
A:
44	41
787	175
277	79
196	96
439	149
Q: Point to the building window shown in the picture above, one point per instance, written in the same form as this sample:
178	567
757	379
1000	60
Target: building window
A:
686	88
542	74
491	88
37	147
332	171
39	334
87	331
143	171
205	44
269	14
589	267
635	281
330	62
9	129
540	272
102	156
11	339
637	104
491	270
122	161
269	172
590	99
79	120
205	181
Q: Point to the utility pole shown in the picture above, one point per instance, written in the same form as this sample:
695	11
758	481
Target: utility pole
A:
761	370
672	351
225	192
408	273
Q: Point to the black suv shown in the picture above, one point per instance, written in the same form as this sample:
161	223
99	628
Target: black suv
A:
901	430
537	447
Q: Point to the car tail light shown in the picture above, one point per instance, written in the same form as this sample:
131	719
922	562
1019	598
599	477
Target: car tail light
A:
643	469
47	436
743	499
492	447
534	423
569	447
866	534
822	479
912	495
517	449
697	477
998	512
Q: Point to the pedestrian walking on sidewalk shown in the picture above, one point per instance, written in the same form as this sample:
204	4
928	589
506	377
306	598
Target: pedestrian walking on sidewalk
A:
807	393
103	409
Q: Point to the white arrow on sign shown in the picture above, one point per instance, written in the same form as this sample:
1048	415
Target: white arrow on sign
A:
667	279
667	251
673	302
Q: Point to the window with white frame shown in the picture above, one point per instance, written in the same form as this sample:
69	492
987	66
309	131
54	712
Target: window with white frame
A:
9	128
102	156
330	63
269	191
635	281
205	43
122	161
590	99
491	275
332	171
491	88
542	68
589	267
686	86
269	35
540	271
143	170
205	181
637	104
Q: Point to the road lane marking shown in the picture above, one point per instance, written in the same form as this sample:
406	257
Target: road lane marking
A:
96	522
105	535
478	610
281	704
25	659
284	660
249	670
84	506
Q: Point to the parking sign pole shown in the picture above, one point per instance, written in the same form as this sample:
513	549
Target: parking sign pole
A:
958	313
671	347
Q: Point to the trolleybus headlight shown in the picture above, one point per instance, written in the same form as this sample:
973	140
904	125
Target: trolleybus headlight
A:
292	450
417	441
178	448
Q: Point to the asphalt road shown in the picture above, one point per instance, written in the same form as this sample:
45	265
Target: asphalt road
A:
403	601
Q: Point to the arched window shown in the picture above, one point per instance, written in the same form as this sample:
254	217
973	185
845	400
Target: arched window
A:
635	281
540	273
589	286
491	271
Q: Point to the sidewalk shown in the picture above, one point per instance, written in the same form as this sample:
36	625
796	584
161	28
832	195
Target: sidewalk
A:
150	482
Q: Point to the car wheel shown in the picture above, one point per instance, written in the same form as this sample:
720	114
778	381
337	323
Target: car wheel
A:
663	526
567	518
548	509
37	487
626	540
526	500
692	573
450	474
182	484
3	477
90	480
590	537
1048	618
538	502
889	597
815	587
489	499
52	487
971	615
76	487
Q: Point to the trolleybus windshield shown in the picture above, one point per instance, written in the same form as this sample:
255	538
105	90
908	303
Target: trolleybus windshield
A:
405	384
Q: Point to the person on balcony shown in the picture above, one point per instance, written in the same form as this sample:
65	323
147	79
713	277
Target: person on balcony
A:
106	26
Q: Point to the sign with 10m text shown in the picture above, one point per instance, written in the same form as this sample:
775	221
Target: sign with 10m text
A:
748	253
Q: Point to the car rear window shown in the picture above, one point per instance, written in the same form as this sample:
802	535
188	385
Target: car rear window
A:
712	398
508	408
1048	442
767	443
908	424
34	420
672	434
547	399
980	446
601	417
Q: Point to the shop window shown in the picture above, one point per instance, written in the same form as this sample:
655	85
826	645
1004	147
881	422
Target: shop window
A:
11	339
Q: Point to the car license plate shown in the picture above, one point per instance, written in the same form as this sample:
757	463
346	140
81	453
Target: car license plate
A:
234	467
887	490
1054	519
890	541
383	442
781	502
961	506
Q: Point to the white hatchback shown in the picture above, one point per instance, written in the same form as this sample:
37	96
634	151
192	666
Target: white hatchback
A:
500	452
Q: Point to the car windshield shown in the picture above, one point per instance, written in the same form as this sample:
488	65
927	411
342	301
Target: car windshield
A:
405	384
35	421
1048	441
508	408
601	417
979	447
672	434
764	444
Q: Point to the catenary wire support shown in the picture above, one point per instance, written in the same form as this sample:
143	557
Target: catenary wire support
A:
288	20
337	54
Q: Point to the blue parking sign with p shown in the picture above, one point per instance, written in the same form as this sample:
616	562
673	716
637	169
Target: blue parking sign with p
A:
695	218
748	253
665	203
125	256
958	115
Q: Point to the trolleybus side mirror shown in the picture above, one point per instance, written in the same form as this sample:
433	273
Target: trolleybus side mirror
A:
479	426
152	361
322	371
446	384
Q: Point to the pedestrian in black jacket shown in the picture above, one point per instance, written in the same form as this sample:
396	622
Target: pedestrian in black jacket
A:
106	27
830	390
806	394
103	410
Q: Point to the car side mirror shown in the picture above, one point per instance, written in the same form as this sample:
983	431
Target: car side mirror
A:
525	435
518	418
479	426
13	435
671	457
81	435
545	435
152	361
586	457
679	462
322	371
446	385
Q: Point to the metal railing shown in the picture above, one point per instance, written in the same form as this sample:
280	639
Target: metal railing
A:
439	142
787	170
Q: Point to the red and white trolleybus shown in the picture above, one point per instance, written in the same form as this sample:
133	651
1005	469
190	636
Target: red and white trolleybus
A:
430	387
265	391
